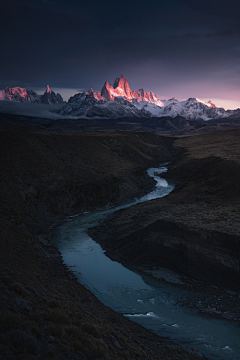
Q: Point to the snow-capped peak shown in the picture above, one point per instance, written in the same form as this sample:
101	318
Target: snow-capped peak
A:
120	101
121	88
194	101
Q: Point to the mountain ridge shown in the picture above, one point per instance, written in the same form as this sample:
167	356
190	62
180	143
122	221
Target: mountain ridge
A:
119	101
24	95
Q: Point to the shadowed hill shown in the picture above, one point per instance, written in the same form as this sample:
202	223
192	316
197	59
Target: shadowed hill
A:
45	176
194	231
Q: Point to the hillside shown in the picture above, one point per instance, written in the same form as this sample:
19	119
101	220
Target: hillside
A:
45	176
193	232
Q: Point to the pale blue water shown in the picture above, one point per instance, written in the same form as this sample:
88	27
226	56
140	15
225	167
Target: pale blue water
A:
141	298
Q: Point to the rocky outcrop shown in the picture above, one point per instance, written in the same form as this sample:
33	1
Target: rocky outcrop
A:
50	97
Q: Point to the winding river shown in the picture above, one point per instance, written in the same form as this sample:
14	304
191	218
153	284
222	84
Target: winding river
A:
151	303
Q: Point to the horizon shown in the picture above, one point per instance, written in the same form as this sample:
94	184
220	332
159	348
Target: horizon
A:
179	48
66	93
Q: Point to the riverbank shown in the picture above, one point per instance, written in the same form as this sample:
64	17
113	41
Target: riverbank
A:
191	237
45	176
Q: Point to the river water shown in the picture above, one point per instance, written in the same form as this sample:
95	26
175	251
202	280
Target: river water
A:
150	303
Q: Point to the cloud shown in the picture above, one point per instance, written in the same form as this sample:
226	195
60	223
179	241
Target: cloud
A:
222	33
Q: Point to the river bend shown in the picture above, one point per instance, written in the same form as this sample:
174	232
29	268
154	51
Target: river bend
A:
150	303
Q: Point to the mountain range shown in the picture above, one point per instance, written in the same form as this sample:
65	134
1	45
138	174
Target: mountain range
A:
119	101
23	95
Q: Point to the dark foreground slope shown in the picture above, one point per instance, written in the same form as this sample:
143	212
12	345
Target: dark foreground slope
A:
44	312
194	231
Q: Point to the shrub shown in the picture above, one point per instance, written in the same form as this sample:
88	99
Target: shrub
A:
21	342
9	321
91	347
72	332
20	290
57	317
55	330
91	329
36	331
54	304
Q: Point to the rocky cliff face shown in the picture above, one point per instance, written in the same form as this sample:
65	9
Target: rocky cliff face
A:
122	85
96	96
106	92
121	88
50	97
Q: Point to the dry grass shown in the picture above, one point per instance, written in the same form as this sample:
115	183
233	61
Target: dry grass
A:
55	330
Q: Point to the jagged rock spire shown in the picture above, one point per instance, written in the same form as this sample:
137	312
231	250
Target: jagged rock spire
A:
49	97
123	84
106	92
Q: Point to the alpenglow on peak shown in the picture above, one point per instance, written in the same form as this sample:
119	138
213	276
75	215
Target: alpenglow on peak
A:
119	101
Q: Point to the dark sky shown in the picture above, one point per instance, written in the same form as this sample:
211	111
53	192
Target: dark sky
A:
178	48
